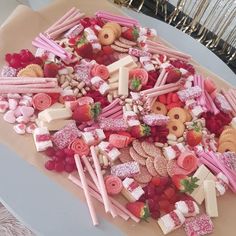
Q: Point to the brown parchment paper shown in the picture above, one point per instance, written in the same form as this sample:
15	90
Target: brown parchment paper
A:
18	32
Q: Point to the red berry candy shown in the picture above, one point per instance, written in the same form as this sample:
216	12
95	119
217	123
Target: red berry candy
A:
164	181
107	50
50	165
15	63
151	204
59	167
151	190
69	168
70	160
155	214
8	57
164	205
69	152
60	154
50	152
156	180
169	192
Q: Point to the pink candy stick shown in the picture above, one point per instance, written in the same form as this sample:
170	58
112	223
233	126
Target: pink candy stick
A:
117	114
160	77
44	85
90	171
111	111
164	91
10	89
230	101
86	190
96	195
163	82
212	105
116	203
63	18
57	26
100	180
155	89
111	105
25	80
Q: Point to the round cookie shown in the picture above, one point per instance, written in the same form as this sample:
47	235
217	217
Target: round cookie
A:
114	26
228	130
159	108
176	127
160	164
36	68
150	166
26	72
106	36
136	157
177	113
138	148
227	138
143	177
227	147
151	149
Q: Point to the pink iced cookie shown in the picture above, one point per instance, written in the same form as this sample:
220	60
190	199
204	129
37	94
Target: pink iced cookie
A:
209	85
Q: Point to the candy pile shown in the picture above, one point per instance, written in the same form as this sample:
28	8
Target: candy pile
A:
106	100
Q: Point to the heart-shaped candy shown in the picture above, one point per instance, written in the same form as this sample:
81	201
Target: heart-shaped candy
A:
30	128
3	106
20	128
27	111
12	103
9	117
22	119
18	111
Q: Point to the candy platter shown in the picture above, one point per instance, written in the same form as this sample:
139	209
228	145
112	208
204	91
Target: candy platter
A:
152	225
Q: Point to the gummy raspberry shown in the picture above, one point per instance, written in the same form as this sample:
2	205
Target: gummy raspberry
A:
69	168
59	167
60	154
69	152
38	61
8	57
151	204
70	160
15	63
50	165
50	152
155	215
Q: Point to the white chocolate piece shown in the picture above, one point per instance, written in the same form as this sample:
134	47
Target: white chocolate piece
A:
125	61
53	125
113	86
93	137
114	78
210	198
51	114
111	152
170	152
123	81
167	224
41	145
131	195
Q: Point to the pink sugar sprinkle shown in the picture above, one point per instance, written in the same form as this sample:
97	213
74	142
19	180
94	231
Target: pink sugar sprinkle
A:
113	124
8	71
199	225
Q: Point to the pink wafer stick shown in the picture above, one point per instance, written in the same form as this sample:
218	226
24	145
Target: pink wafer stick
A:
55	27
25	80
232	97
204	158
63	18
96	195
117	114
10	89
160	77
163	82
86	190
74	18
233	93
44	85
212	105
100	180
120	22
111	111
46	44
164	91
116	203
111	105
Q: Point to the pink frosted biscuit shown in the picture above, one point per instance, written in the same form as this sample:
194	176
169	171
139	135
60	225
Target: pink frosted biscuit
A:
74	31
138	53
171	221
189	93
138	148
132	191
136	157
100	85
113	184
160	164
199	225
150	166
65	136
155	119
20	128
143	177
111	124
187	207
93	137
109	150
42	139
3	106
128	169
174	169
131	118
8	71
222	104
151	149
124	155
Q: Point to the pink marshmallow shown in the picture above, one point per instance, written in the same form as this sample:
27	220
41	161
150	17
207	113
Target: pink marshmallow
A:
20	128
